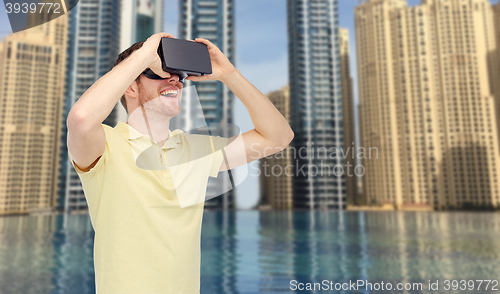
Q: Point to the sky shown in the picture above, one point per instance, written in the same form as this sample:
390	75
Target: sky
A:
261	56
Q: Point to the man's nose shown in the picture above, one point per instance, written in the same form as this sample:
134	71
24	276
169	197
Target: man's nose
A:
173	78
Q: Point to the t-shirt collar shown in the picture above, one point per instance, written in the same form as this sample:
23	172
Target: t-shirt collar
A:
127	131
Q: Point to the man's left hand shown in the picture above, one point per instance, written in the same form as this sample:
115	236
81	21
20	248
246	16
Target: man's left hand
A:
221	66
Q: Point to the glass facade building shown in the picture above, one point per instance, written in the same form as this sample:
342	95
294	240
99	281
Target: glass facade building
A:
93	40
316	104
212	20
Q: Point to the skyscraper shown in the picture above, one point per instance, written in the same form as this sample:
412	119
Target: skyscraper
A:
94	30
348	119
427	95
316	104
139	19
496	16
495	58
276	172
212	20
32	64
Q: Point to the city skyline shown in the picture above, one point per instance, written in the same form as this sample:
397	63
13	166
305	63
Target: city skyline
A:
261	55
265	66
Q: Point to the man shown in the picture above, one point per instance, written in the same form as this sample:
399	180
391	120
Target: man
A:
145	242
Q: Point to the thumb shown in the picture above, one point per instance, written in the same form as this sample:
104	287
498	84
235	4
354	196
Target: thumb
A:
198	78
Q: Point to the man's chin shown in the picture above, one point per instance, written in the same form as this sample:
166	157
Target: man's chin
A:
172	106
171	112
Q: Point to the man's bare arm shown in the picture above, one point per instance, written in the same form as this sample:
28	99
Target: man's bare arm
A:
272	132
86	138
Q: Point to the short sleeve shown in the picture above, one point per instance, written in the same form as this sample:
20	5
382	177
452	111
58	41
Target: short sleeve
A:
217	156
93	179
96	169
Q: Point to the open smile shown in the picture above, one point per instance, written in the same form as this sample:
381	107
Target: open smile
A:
172	93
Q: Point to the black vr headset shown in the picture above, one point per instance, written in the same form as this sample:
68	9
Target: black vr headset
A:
183	58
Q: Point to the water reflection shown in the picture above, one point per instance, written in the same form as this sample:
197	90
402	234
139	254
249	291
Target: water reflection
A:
252	252
39	255
218	258
395	247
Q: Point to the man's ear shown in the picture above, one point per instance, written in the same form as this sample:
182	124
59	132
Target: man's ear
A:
132	90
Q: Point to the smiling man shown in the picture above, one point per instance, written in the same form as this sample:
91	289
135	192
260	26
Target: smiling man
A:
137	175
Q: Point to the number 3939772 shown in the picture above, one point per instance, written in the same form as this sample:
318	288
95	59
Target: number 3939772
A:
33	8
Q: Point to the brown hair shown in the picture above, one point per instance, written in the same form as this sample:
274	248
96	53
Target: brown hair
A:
121	58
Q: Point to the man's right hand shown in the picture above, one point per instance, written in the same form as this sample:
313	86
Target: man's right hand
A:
150	48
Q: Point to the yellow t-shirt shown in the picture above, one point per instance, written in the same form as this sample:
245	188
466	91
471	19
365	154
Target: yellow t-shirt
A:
145	242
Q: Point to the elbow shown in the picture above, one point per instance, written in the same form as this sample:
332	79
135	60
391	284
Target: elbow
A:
287	139
78	121
74	118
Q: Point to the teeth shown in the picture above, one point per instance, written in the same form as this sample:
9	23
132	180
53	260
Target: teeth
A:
168	92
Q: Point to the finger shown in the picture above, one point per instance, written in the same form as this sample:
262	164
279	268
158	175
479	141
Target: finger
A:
165	35
161	73
206	42
197	78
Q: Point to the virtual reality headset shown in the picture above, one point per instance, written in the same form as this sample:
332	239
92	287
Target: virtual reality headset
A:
183	58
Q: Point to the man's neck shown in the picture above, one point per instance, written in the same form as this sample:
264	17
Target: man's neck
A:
151	124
